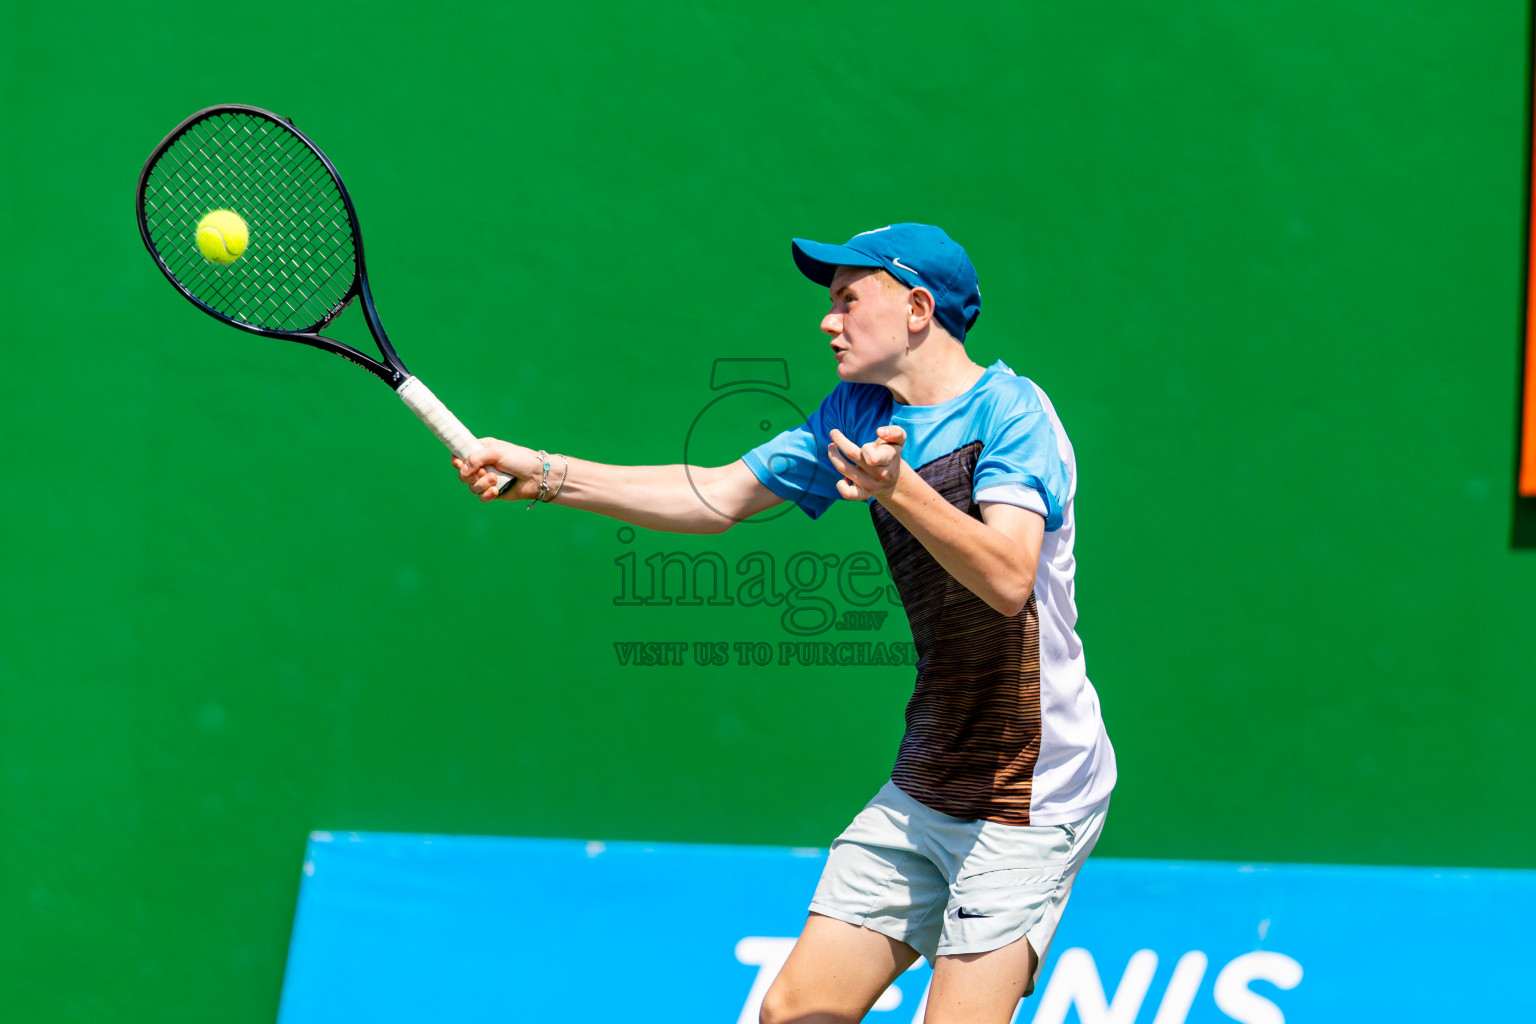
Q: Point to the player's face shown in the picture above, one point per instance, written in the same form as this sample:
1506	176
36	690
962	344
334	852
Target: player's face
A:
867	324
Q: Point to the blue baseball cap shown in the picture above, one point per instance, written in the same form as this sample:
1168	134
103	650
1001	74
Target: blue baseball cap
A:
917	255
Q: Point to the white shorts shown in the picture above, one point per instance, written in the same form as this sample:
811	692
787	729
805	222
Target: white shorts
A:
947	885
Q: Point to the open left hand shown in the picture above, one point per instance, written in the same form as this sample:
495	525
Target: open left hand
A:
871	471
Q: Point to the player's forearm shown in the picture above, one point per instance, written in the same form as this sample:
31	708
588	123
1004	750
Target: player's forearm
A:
987	562
656	497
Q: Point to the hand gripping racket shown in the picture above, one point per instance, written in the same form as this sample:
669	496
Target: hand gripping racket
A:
302	257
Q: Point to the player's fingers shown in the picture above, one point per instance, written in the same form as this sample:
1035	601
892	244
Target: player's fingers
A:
892	435
466	474
853	491
857	476
842	458
847	447
861	479
487	453
504	485
876	454
880	460
480	479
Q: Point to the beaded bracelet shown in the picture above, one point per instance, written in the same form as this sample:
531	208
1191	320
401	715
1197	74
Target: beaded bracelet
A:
543	494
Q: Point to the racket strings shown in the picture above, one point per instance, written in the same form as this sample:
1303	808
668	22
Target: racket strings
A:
307	196
293	271
300	261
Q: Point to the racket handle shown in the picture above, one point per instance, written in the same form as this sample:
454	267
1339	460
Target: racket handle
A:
431	411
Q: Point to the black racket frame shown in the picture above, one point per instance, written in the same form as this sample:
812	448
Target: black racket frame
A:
391	370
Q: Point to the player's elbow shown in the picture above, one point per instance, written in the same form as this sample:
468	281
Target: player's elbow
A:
1007	609
709	517
715	524
1013	595
725	496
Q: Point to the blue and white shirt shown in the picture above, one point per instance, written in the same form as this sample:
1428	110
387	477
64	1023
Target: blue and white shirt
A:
1003	723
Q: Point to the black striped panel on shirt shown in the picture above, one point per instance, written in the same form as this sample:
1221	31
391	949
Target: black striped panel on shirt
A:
973	723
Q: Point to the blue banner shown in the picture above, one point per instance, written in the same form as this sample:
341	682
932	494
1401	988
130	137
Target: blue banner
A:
410	928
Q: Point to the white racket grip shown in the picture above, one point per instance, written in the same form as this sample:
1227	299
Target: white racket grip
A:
431	411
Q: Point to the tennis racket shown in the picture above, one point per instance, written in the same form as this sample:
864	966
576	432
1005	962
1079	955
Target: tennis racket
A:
302	259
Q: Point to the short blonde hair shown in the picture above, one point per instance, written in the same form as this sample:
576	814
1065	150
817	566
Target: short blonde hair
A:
888	281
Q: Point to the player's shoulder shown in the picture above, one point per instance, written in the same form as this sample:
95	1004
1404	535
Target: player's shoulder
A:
1006	394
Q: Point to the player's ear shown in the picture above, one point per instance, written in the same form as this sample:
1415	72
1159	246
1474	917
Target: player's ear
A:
920	307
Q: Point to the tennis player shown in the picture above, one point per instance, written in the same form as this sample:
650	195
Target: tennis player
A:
1002	780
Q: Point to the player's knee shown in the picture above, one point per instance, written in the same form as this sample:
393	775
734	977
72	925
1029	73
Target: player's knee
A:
780	1006
775	1008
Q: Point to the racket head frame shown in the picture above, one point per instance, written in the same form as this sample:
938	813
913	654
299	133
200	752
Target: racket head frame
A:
390	369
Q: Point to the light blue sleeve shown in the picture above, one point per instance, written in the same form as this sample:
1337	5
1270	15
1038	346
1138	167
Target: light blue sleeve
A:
794	465
1020	449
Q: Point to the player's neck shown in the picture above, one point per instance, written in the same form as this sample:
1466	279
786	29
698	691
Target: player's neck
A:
935	373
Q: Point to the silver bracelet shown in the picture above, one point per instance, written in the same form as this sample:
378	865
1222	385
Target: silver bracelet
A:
543	494
566	472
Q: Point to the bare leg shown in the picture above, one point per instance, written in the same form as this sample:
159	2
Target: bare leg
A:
834	974
980	988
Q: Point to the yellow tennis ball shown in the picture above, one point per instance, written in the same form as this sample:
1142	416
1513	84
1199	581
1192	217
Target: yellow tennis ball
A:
222	236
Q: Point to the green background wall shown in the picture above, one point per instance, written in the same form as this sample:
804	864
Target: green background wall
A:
1266	257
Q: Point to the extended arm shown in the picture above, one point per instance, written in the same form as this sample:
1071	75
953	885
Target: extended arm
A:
677	499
